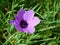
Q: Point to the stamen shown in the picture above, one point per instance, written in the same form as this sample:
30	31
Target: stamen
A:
23	24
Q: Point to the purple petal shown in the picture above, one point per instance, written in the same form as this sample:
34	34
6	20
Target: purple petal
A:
29	30
35	21
28	15
20	14
17	20
14	22
19	28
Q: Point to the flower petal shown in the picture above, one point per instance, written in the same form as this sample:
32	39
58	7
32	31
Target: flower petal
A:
20	14
29	30
14	22
35	21
19	28
28	15
17	20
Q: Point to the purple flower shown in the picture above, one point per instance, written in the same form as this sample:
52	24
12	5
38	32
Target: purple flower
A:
25	21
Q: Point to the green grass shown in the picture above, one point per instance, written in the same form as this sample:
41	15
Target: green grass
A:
46	33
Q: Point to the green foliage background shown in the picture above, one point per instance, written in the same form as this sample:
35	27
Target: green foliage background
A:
47	32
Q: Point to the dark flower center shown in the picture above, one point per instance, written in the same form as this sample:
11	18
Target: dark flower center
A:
23	24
